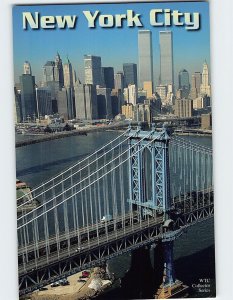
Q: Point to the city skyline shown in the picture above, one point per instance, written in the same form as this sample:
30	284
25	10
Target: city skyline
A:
93	43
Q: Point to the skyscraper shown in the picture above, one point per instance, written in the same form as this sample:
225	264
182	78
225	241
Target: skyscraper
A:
108	76
85	101
183	108
145	57
104	103
119	81
184	84
195	85
28	96
58	71
166	58
49	81
18	110
48	71
162	90
133	94
147	86
130	74
68	74
93	70
44	101
74	77
117	101
62	104
27	68
205	84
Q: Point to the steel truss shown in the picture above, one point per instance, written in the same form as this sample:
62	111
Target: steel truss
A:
158	151
95	257
100	254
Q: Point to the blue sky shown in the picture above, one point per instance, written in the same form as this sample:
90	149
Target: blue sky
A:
115	46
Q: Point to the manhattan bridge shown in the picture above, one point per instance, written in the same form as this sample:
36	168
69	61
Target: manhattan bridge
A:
142	188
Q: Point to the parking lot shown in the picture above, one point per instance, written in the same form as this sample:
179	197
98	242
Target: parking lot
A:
75	289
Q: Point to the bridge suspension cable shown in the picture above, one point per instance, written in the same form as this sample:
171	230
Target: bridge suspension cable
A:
69	219
79	163
45	203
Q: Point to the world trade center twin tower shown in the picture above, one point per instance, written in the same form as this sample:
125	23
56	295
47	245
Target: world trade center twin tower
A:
145	55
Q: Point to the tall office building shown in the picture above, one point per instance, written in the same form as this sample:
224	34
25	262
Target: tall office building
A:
130	74
93	70
51	80
183	78
27	68
145	57
104	103
62	104
132	94
108	76
195	85
18	110
85	101
184	84
205	84
58	71
68	74
183	108
28	96
119	81
117	101
74	77
48	71
44	101
147	86
65	103
166	58
162	91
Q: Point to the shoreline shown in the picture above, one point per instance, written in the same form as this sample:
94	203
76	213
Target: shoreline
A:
84	131
60	135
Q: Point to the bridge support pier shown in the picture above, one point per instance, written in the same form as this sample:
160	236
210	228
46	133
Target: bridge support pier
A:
169	273
170	287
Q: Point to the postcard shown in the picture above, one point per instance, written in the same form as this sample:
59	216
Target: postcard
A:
114	167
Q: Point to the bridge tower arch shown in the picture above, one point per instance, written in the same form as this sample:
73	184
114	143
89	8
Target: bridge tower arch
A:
152	145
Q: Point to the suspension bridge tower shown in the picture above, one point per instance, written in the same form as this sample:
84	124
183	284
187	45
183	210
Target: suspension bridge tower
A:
149	190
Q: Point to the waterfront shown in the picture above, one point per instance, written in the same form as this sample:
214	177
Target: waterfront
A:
194	252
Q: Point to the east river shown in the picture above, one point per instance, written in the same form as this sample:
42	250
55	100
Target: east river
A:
193	251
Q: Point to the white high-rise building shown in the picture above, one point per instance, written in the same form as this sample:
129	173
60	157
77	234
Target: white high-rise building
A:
93	70
27	68
145	57
132	94
205	85
166	58
161	90
126	95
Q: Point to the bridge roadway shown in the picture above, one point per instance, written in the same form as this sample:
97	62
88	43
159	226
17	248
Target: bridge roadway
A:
47	269
99	226
78	242
88	244
74	233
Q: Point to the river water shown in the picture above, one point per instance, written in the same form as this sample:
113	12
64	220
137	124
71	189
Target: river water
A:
193	252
